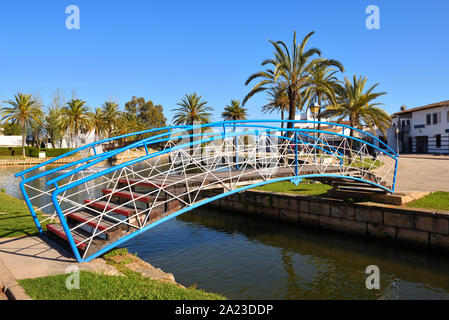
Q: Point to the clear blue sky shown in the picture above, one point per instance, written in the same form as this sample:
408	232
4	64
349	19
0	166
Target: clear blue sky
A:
162	50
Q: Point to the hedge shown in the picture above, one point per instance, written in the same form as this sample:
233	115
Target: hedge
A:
32	151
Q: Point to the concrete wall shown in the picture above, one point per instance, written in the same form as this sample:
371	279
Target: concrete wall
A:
419	227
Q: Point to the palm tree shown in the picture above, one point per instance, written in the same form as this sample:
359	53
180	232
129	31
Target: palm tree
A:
356	103
278	101
127	123
23	110
111	113
293	68
74	117
192	110
324	84
234	111
98	123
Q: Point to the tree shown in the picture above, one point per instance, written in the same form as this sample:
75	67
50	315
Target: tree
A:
111	113
192	110
278	101
234	111
75	119
356	103
23	110
324	84
151	115
53	125
293	68
98	123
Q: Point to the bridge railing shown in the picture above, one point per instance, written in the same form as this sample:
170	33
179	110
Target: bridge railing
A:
158	184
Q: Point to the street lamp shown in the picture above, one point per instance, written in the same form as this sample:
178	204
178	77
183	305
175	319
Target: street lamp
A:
397	140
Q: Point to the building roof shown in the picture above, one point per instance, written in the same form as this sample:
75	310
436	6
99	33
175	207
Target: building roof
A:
429	106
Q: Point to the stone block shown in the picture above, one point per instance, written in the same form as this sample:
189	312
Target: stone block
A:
400	219
439	241
308	219
354	227
270	212
432	224
264	200
380	231
304	206
330	223
320	208
289	215
343	211
416	237
368	215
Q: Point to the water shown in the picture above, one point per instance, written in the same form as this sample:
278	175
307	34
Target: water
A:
244	257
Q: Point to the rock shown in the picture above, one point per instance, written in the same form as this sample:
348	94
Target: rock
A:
100	266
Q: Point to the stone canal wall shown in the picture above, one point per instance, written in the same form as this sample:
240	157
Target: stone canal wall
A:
420	227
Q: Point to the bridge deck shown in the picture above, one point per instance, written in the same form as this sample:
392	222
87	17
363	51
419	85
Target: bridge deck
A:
244	177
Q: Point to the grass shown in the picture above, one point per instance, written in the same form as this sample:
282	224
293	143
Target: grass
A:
365	163
305	189
15	218
132	286
436	201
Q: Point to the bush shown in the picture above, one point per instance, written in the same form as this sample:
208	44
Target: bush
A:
33	152
50	152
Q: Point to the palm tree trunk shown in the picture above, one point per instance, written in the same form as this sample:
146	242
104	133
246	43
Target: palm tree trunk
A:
282	118
319	111
351	141
23	139
319	119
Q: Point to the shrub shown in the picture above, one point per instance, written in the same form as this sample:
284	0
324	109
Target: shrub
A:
56	152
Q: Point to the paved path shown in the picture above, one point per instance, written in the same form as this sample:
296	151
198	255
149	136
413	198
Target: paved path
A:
423	173
32	257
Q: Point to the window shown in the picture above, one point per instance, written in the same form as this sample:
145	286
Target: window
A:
436	117
438	138
428	119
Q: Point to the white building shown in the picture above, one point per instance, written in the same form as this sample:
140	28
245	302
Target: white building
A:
420	130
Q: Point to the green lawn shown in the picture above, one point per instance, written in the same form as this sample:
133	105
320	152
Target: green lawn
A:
15	219
102	287
366	163
437	201
305	189
93	286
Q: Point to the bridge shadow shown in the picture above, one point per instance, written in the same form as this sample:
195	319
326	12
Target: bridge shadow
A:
35	247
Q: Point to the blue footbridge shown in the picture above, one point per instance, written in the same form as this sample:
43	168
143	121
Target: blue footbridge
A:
123	186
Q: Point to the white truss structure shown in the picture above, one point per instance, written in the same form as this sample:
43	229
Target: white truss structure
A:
155	178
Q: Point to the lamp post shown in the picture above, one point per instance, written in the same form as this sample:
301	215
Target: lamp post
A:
397	140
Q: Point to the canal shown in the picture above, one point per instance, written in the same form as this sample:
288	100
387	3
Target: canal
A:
244	257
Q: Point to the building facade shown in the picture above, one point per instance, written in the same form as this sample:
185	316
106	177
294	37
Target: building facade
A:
420	130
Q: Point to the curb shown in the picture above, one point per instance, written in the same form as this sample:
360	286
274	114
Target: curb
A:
10	286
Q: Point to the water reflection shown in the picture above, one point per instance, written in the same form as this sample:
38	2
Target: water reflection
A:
245	257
